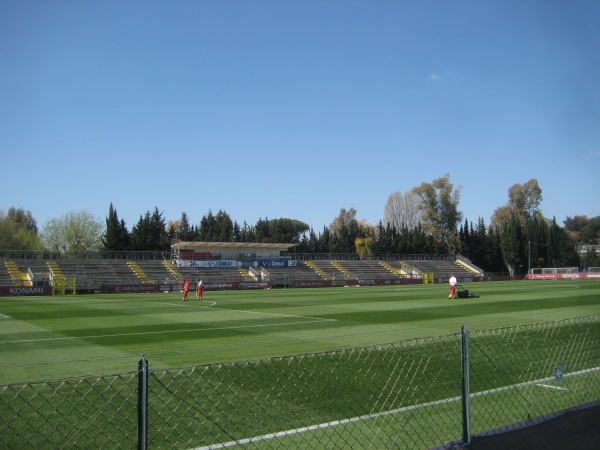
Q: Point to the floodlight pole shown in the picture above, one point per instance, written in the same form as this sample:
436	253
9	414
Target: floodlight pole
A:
529	259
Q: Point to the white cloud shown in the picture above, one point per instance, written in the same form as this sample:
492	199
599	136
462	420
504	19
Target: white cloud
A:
433	77
593	154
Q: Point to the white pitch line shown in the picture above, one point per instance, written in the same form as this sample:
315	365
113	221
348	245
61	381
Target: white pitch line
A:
100	336
206	304
527	383
247	312
185	305
335	423
250	312
558	388
275	314
2	316
322	426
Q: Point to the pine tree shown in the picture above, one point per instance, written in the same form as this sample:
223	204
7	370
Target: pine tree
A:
150	234
184	231
116	237
208	227
223	227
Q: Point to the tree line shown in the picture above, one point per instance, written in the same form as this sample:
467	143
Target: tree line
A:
424	220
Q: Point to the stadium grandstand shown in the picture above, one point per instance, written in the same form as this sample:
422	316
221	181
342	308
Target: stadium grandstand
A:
223	265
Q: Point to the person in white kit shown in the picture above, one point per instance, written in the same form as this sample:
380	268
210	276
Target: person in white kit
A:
199	289
453	282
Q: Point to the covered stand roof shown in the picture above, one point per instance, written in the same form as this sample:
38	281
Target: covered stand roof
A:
241	247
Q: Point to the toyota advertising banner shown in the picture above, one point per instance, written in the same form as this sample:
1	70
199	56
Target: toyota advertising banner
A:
563	276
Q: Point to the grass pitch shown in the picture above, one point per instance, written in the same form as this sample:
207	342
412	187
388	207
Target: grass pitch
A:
48	338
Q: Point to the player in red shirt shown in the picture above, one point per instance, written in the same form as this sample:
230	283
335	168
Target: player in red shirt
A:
186	288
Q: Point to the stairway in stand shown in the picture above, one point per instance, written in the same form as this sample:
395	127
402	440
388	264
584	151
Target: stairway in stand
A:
138	272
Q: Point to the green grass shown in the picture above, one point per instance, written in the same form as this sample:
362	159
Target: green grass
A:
46	338
350	352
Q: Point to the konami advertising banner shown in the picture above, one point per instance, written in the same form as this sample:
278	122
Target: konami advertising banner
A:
21	291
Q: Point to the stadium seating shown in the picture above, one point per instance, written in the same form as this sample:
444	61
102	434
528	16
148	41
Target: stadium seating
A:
210	274
92	274
327	269
441	268
16	272
367	269
300	272
157	272
5	279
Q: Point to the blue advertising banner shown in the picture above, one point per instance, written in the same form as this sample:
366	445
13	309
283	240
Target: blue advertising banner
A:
277	263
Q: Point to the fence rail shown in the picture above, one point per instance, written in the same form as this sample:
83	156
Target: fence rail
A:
168	255
421	393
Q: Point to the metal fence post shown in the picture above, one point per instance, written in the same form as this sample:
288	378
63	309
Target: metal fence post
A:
466	387
142	404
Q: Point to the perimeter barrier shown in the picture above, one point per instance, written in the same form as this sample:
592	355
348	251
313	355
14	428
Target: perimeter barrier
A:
437	392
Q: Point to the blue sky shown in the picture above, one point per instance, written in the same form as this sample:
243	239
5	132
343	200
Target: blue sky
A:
296	109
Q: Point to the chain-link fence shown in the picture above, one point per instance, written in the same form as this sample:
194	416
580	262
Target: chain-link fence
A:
524	374
418	394
78	413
